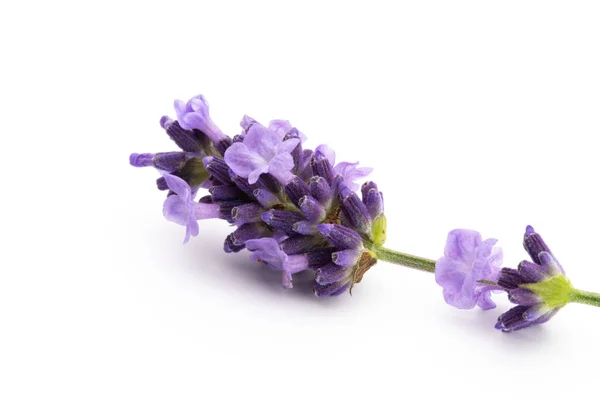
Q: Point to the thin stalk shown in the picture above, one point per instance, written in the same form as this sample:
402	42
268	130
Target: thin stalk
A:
396	257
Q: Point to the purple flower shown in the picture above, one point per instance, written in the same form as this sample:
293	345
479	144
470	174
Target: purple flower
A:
540	288
268	251
262	151
181	208
194	115
467	261
349	171
291	207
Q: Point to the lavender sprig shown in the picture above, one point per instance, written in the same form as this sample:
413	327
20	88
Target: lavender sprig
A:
295	209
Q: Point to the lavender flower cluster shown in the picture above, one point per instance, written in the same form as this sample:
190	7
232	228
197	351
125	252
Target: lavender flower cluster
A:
294	209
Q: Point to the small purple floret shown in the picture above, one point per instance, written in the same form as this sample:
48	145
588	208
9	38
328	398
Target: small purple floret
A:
468	260
351	172
194	115
181	208
262	151
267	251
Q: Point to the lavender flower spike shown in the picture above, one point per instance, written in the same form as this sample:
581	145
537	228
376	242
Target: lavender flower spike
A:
295	209
262	151
194	115
467	261
181	208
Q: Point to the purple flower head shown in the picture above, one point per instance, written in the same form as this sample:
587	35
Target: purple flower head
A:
351	172
181	208
467	261
292	208
539	288
262	151
268	251
194	115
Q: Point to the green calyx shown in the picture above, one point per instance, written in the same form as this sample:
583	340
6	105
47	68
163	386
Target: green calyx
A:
378	230
193	172
554	292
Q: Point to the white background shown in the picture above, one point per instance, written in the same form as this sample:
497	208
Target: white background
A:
474	114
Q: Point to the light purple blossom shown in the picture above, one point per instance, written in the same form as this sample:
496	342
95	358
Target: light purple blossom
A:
262	151
268	251
194	115
181	208
351	172
468	260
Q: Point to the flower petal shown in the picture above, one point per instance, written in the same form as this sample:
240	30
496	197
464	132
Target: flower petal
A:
176	210
179	186
244	161
280	167
288	146
199	105
191	229
462	245
267	250
262	141
352	173
280	126
327	152
449	274
254	175
485	301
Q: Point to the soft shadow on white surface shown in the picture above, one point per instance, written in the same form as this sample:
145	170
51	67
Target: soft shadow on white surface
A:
479	324
236	272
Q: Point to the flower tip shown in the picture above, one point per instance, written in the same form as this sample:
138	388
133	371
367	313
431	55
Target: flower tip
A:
318	292
141	160
207	160
267	216
529	230
198	102
247	122
166	122
325	229
500	326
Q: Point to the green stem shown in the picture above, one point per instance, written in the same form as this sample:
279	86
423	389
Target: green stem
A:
407	260
583	297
